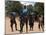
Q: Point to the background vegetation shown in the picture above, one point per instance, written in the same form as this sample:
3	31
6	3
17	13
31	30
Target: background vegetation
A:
16	6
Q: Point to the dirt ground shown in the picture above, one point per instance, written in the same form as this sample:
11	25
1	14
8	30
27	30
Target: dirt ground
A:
8	28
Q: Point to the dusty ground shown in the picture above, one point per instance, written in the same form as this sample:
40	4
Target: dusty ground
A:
8	28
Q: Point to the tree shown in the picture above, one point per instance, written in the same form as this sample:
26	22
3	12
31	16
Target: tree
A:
13	6
39	8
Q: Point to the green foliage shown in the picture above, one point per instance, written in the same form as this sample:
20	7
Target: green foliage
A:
39	8
16	6
12	6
